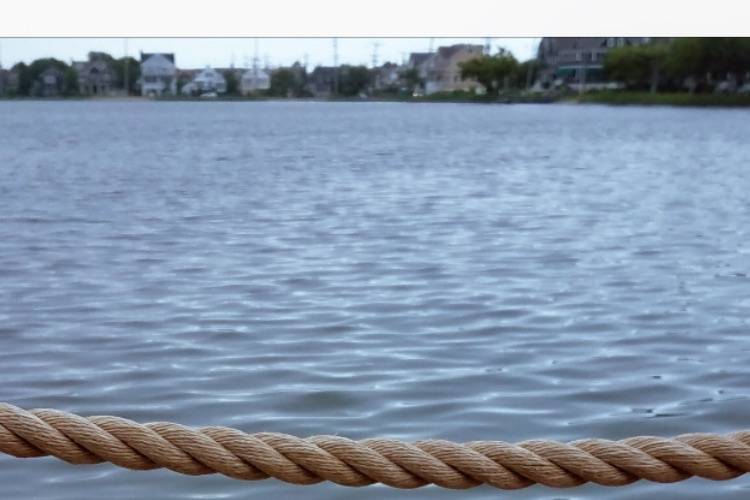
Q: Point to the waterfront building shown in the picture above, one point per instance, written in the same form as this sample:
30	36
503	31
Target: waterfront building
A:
442	70
387	77
418	63
206	81
95	76
158	75
578	62
184	77
255	80
50	83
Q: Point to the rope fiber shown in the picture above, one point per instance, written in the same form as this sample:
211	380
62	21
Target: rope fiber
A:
208	450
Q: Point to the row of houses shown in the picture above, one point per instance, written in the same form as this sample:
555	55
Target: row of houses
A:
576	62
160	76
440	72
50	82
95	77
566	61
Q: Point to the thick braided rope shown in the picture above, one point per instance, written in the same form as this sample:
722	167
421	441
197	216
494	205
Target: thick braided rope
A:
208	450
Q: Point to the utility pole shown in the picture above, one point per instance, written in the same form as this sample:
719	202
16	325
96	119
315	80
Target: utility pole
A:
432	45
487	46
375	54
255	58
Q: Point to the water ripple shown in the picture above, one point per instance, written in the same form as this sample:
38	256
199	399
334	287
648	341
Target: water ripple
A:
460	272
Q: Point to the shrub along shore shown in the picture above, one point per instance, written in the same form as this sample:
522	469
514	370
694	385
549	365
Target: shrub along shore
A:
624	98
617	98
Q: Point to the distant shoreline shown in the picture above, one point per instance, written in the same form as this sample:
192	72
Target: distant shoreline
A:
663	99
603	98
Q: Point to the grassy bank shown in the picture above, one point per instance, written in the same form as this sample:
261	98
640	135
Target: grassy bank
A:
663	99
445	97
618	98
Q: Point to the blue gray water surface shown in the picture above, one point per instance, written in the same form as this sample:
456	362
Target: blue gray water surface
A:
452	271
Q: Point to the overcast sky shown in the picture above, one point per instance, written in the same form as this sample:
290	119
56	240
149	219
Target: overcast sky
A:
222	52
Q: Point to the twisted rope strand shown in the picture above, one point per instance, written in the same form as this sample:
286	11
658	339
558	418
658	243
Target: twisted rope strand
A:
208	450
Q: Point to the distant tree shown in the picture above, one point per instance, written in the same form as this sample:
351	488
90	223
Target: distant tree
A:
288	82
101	56
24	79
493	72
353	80
638	66
233	83
411	79
282	83
526	74
37	67
687	61
726	55
70	82
133	73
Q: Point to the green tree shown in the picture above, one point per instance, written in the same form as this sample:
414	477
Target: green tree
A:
37	67
726	55
233	83
493	72
70	82
526	73
288	82
687	61
24	79
411	79
353	80
126	66
638	66
282	83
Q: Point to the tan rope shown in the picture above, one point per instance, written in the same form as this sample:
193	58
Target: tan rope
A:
208	450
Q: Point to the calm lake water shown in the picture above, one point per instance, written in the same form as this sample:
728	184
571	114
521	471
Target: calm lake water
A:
406	270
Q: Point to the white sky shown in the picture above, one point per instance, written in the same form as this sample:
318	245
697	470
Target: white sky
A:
221	52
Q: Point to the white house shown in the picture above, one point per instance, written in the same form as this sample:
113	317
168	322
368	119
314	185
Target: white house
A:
207	80
158	75
254	80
